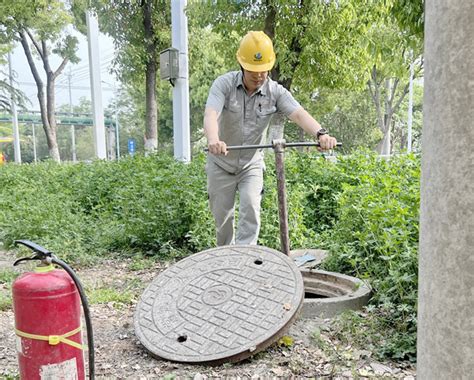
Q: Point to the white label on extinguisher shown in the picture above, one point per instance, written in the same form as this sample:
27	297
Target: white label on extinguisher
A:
18	345
66	370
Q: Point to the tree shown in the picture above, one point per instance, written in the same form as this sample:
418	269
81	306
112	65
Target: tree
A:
7	91
315	41
399	140
39	26
389	79
318	44
206	62
350	117
130	109
83	134
140	29
394	43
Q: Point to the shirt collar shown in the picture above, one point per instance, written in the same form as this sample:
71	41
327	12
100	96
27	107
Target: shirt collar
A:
262	90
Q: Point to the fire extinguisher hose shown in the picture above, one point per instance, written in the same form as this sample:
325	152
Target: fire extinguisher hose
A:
87	316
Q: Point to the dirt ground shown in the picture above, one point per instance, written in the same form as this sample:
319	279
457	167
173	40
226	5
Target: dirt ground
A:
119	354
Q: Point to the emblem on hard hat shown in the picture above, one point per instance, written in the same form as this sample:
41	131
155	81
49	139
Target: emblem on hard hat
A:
258	56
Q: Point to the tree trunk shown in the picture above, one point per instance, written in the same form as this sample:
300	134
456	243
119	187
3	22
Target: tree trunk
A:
295	46
384	147
276	128
53	148
385	113
51	107
111	151
151	111
46	101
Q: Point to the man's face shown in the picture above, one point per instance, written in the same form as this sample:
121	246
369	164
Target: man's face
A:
253	80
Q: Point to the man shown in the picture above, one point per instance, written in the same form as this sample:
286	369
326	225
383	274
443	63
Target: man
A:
238	111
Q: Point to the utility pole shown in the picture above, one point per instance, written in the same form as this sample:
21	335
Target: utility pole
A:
73	132
16	130
410	105
446	260
94	69
117	126
179	38
35	157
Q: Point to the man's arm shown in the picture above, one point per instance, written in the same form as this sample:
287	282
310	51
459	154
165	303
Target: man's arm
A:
211	130
306	122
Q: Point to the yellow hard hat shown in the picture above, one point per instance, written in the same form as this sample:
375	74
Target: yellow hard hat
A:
256	52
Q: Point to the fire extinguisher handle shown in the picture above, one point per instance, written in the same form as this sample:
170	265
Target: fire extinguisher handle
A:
35	247
35	257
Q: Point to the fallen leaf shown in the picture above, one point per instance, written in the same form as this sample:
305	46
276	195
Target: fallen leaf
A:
286	341
380	369
278	371
364	372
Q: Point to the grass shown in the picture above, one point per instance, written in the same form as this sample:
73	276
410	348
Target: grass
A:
141	263
109	294
119	292
5	302
7	276
373	330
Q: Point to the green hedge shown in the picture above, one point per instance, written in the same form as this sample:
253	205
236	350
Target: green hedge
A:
147	204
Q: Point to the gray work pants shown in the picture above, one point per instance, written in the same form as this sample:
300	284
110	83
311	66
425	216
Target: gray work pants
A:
222	187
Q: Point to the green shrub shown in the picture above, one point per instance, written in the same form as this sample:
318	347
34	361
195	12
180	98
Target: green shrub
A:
376	233
36	205
161	203
152	204
299	234
375	238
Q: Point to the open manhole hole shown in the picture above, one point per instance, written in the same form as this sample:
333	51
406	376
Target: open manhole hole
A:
328	294
220	305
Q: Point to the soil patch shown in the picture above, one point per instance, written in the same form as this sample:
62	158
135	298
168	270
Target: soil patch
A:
308	351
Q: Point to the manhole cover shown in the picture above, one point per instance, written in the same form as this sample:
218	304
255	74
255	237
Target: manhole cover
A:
223	304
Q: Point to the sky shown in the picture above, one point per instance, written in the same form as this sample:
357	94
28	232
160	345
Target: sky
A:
80	79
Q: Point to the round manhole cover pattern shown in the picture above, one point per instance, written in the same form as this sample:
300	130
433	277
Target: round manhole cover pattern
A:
221	304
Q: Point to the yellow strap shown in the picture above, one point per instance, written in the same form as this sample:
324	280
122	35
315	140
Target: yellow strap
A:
54	339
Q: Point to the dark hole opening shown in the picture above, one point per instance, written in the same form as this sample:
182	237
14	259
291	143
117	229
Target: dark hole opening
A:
182	338
258	262
314	295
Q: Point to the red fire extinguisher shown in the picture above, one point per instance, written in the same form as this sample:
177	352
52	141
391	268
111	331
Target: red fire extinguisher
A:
47	308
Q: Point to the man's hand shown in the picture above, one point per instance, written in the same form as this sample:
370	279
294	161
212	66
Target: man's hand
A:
217	147
301	117
327	142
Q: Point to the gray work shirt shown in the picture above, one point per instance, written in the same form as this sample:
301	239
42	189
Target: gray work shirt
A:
244	119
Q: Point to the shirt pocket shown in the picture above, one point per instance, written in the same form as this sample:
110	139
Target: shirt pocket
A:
234	106
231	115
264	116
266	111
